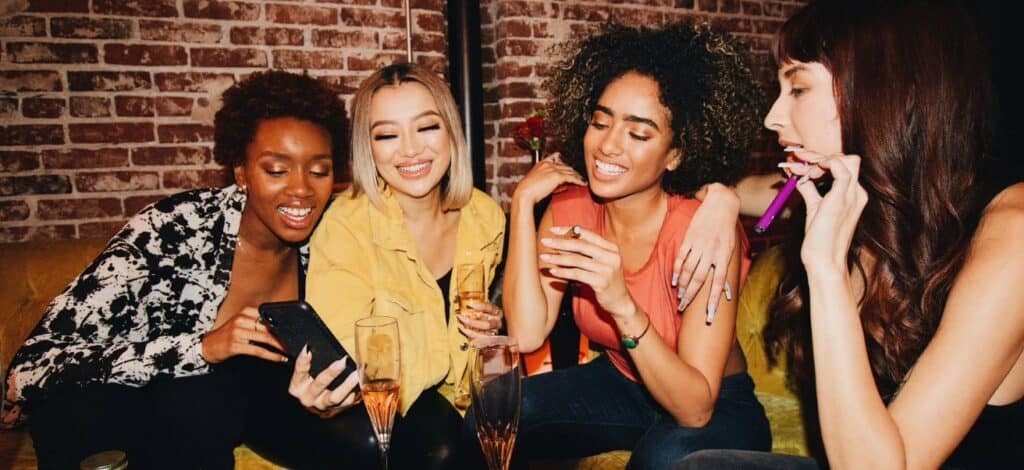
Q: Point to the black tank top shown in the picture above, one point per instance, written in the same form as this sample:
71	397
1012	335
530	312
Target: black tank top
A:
996	440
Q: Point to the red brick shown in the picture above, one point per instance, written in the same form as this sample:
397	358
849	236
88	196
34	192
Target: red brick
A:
294	14
751	8
222	10
191	179
519	110
436	63
510	68
375	62
173	31
77	158
90	28
516	47
119	132
733	25
29	80
384	3
436	5
13	211
515	169
51	53
13	161
430	22
627	15
167	156
528	9
58	6
8	107
108	81
429	42
22	26
540	30
217	57
766	26
160	8
372	18
38	232
587	13
106	181
173	106
135	54
192	81
707	5
134	204
288	59
42	107
683	4
36	184
268	36
343	84
350	39
105	229
90	106
773	9
91	208
729	6
133	105
178	133
32	135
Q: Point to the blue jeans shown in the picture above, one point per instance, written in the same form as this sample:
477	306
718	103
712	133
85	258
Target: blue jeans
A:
586	410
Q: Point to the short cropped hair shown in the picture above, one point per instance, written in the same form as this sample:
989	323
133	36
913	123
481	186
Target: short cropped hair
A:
276	94
457	185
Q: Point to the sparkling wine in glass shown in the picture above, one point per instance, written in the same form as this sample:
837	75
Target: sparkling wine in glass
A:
379	356
495	387
472	288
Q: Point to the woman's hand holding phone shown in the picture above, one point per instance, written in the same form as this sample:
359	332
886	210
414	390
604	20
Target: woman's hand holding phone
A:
313	392
238	336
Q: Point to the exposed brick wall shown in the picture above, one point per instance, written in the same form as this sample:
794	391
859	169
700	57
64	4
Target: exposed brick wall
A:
107	105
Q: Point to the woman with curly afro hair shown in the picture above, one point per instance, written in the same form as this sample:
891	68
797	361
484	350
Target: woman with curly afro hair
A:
140	352
648	117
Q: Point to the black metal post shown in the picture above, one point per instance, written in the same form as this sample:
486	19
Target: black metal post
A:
465	73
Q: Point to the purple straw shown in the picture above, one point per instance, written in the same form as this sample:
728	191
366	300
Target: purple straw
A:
776	206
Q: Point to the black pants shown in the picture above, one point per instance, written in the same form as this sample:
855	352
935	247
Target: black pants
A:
189	423
281	430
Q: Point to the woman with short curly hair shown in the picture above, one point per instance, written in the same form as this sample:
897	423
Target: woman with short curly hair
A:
648	117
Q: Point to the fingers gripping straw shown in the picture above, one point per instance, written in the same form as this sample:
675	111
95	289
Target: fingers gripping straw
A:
779	202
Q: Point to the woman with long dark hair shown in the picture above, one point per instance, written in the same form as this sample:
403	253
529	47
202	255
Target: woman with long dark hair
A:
901	304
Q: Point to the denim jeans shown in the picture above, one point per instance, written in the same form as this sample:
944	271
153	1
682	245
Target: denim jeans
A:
586	410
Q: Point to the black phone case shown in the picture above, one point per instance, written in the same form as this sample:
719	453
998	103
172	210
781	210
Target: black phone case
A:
296	324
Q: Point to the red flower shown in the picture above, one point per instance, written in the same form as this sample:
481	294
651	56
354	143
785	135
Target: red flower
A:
530	134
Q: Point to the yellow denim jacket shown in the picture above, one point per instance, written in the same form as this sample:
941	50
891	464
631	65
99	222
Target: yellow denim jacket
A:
360	253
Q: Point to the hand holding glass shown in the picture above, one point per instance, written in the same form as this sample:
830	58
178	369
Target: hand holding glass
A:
469	280
379	355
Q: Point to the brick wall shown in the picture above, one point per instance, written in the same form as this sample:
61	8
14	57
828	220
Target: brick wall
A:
107	105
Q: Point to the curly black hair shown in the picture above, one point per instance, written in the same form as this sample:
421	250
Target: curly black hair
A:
275	94
705	81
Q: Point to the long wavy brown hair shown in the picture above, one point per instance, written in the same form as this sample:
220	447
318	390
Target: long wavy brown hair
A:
914	96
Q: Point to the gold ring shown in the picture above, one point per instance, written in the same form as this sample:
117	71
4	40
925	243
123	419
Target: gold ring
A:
576	231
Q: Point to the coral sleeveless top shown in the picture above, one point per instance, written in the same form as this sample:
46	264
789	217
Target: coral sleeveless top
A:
650	286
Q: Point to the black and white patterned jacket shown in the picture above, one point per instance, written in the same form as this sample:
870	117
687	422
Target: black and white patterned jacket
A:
139	311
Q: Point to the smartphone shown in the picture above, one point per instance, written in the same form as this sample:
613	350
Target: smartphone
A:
297	325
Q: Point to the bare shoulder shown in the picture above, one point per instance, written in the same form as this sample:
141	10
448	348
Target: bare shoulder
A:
1002	224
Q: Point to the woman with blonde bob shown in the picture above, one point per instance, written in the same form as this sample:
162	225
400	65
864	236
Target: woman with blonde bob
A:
388	246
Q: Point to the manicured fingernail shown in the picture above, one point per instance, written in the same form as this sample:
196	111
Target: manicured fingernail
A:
681	294
305	350
728	292
803	179
675	279
545	257
793	148
545	241
338	365
711	313
683	304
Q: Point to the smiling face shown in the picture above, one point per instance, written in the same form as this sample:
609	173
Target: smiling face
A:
409	139
287	174
805	113
627	145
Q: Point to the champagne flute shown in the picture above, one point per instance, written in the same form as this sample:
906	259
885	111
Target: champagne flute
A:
469	280
379	356
495	386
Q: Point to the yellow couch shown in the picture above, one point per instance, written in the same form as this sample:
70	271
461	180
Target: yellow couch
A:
35	272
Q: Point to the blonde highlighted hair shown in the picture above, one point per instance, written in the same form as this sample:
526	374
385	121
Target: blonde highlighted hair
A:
457	184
